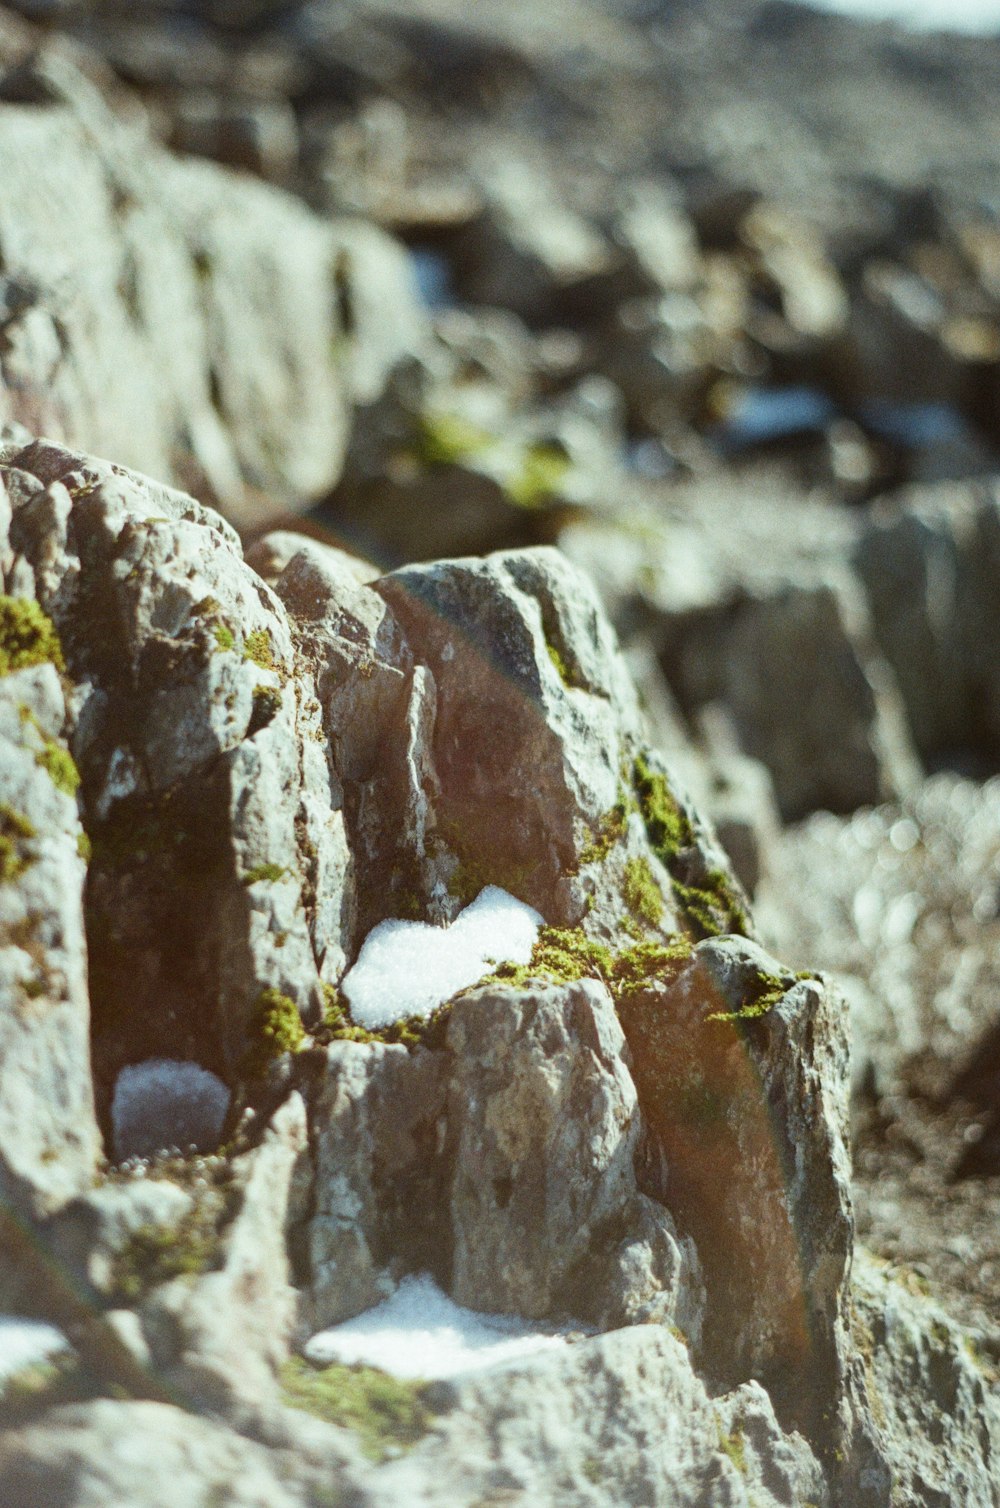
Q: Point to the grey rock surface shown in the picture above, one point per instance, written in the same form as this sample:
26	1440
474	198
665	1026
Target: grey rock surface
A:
540	1093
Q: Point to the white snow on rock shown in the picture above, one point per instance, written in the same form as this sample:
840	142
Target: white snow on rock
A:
420	1332
26	1343
162	1105
410	968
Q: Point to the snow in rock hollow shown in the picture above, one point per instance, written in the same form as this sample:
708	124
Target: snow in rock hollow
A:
26	1343
420	1332
410	968
163	1105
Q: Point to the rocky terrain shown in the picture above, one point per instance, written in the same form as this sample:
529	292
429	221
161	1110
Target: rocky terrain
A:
541	466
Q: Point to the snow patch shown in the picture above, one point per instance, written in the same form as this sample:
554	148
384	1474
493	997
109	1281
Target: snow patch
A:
163	1105
410	968
421	1333
27	1343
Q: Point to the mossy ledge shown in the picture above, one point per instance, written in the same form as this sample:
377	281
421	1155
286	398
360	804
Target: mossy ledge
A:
387	1415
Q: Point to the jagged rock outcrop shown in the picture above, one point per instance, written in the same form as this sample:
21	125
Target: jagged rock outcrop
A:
640	1131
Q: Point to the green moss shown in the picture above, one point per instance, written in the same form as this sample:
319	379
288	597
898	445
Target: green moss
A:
712	908
540	477
560	955
470	876
52	757
641	892
59	765
448	440
258	648
27	636
611	829
648	963
667	826
84	847
765	993
560	664
386	1414
224	636
270	872
411	1031
734	1447
33	988
155	1254
277	1029
15	831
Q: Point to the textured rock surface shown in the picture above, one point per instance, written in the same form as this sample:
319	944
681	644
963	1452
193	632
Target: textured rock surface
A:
199	326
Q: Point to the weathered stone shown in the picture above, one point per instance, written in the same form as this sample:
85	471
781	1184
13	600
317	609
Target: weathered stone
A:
535	714
814	703
929	567
741	1075
218	1339
379	1204
932	1394
194	739
543	1120
620	1418
49	1141
94	1453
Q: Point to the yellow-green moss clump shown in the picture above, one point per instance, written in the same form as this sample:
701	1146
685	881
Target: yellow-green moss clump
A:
259	650
387	1415
270	872
277	1029
154	1254
56	760
410	1031
448	440
224	636
712	907
641	892
611	829
27	636
667	826
564	956
764	993
540	477
15	831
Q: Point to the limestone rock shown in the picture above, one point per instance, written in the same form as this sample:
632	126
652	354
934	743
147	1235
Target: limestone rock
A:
740	1068
94	1453
927	1383
543	1119
535	713
49	1141
378	1175
615	1419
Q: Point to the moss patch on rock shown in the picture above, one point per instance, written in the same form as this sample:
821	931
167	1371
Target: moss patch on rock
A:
667	826
155	1254
277	1029
53	757
712	907
387	1415
540	476
258	648
270	872
15	831
27	636
409	1031
448	440
641	892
